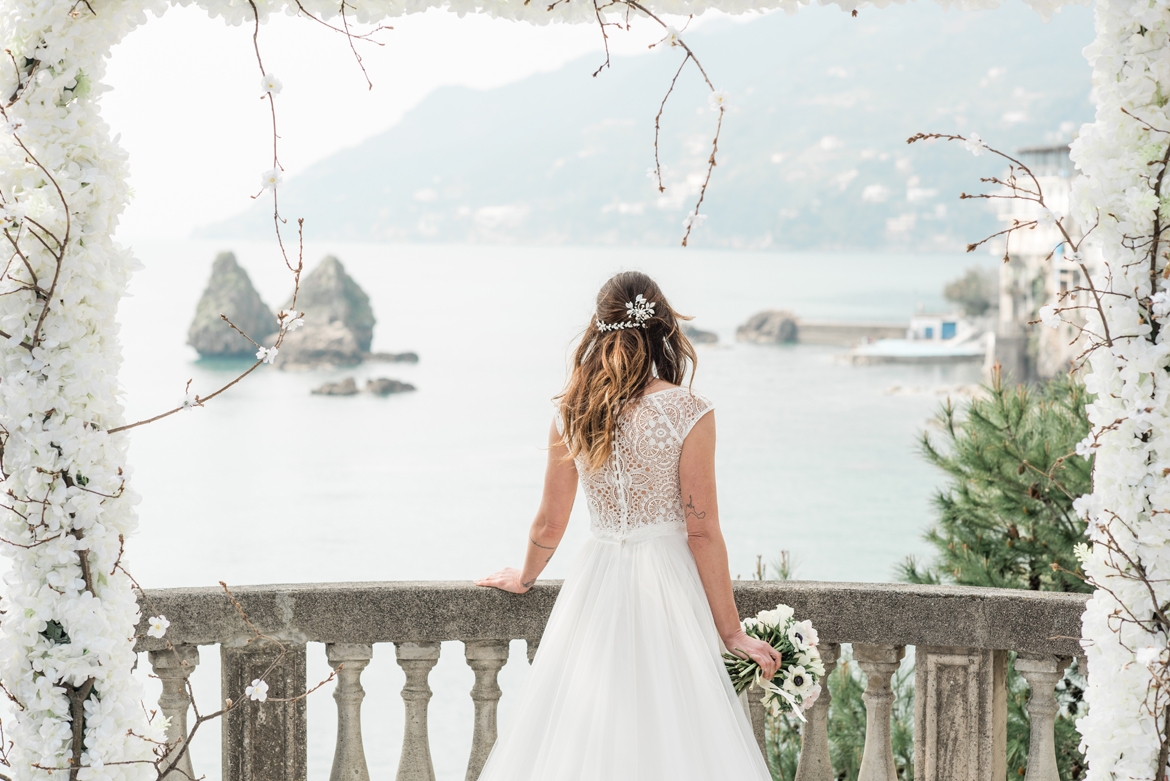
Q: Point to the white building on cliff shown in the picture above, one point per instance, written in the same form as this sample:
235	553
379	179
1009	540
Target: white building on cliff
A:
1038	272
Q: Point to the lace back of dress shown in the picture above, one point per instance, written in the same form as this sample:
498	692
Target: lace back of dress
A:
637	492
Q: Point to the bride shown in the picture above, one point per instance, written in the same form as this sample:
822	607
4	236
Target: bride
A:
628	684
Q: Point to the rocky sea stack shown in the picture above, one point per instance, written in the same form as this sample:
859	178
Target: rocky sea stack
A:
229	292
771	327
339	322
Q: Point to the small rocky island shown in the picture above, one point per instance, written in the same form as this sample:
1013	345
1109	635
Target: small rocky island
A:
774	326
229	292
382	386
338	330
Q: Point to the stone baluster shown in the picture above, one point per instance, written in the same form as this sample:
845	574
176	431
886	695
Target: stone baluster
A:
486	658
349	758
174	667
532	646
1042	672
264	741
814	763
879	663
755	708
960	714
416	659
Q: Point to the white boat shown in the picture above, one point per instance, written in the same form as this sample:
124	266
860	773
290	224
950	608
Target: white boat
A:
930	339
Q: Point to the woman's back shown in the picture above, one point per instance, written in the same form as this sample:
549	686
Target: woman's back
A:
636	494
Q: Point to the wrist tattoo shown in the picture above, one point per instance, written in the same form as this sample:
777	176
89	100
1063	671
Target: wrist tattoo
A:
691	510
529	583
544	547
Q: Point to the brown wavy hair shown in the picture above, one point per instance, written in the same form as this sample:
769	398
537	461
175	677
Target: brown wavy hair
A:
613	368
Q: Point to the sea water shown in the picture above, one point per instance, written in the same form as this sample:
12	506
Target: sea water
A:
270	484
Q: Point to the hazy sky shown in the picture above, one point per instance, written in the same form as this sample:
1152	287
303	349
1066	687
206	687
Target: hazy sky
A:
186	92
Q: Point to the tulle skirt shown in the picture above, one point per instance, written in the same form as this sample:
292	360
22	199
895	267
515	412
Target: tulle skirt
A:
628	683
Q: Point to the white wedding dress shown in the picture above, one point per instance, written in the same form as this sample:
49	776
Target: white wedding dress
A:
628	683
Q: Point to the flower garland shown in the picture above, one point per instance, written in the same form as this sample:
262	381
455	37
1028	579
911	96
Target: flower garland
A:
1123	155
66	638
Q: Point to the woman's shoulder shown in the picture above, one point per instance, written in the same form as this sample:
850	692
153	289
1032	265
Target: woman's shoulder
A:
681	395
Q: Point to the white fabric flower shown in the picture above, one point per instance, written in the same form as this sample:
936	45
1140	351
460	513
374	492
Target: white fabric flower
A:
1160	304
271	179
158	626
1049	316
1047	218
1082	552
717	100
270	84
975	144
1147	656
291	320
267	354
258	691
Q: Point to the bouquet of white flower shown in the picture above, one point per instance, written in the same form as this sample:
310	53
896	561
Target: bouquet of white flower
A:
796	685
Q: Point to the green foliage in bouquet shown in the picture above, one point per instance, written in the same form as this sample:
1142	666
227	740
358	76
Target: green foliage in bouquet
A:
1005	518
1006	515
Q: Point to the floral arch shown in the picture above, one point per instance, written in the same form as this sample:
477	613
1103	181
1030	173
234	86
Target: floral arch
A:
70	613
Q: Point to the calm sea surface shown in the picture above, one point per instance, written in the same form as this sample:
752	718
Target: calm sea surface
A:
269	484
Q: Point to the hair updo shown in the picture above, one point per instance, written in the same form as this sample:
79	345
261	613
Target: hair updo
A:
613	366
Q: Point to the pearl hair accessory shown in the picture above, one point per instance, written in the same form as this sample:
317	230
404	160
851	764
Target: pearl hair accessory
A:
638	311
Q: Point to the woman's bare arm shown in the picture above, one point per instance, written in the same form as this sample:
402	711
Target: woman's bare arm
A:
697	478
560	489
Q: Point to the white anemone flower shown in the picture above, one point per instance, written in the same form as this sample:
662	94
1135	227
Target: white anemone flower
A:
158	626
802	636
785	612
810	699
258	691
270	84
798	681
975	144
271	179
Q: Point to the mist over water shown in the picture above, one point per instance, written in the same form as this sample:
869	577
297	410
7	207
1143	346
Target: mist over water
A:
269	484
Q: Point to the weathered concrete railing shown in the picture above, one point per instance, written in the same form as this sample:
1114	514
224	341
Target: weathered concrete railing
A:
962	637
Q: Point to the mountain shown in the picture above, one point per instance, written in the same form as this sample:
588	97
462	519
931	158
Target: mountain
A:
812	154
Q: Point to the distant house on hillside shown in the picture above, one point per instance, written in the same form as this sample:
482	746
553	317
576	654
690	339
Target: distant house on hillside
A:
1038	272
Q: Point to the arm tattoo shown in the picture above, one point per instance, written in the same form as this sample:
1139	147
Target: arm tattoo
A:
545	547
529	583
691	508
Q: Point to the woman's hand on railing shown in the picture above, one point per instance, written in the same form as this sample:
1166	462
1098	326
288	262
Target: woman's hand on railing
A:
767	657
508	579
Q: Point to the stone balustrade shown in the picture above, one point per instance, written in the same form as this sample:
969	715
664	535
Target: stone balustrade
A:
961	638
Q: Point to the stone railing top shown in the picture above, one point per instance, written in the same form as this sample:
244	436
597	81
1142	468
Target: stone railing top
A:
412	611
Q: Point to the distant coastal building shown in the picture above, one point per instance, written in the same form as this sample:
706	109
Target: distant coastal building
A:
1038	272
